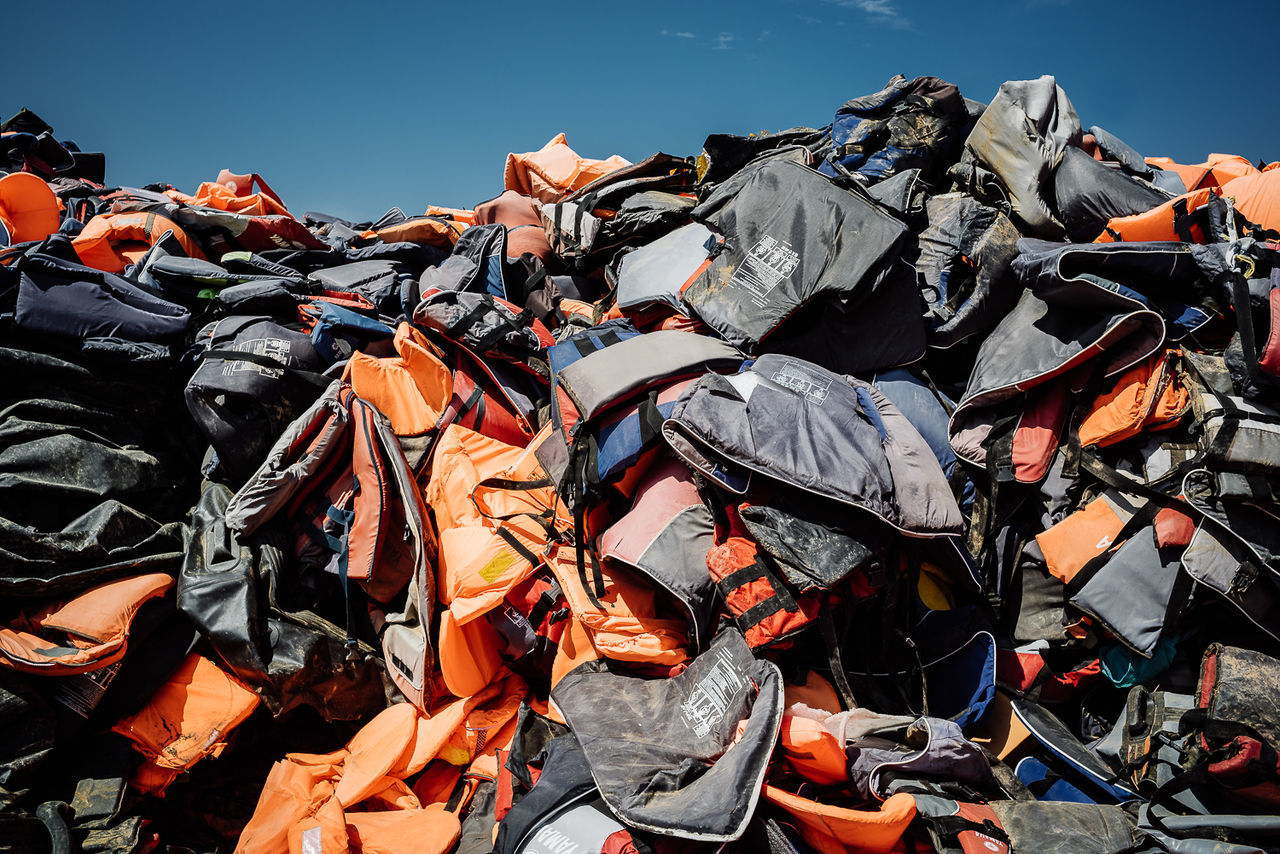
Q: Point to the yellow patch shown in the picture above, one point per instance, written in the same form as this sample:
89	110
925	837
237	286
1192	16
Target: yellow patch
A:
500	563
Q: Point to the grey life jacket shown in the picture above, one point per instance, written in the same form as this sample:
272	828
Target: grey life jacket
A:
833	436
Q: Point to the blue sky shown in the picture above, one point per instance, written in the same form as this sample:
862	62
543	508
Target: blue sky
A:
351	108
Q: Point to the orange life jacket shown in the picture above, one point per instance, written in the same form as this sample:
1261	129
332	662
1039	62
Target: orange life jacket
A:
555	170
84	633
1149	396
830	828
28	207
436	231
1169	221
188	719
496	512
111	242
356	799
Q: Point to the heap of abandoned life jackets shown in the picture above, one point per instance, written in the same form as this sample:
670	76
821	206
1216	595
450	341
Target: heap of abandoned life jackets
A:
903	484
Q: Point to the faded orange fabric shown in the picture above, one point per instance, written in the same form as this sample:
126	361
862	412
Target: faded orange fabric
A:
462	215
357	800
1148	396
555	170
411	389
233	193
830	828
1079	538
813	750
85	633
188	719
110	242
627	626
1157	223
434	231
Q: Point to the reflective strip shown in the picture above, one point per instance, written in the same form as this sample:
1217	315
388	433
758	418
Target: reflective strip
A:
311	841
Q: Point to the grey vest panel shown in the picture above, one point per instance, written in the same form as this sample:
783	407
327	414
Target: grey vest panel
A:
656	272
275	482
790	236
1131	594
666	753
835	437
1021	137
616	373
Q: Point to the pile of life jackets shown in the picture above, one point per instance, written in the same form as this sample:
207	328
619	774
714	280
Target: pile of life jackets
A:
907	483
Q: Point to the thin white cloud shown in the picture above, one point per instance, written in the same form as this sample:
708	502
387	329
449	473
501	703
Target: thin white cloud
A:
809	20
724	41
764	34
877	11
681	34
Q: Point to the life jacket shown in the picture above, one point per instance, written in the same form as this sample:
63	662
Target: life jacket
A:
908	124
963	268
1236	723
519	215
110	242
1218	169
1149	396
720	715
657	273
496	514
413	390
286	645
622	616
1021	137
190	717
611	388
235	193
498	356
666	535
69	300
338	482
439	231
1183	218
589	225
554	170
1256	198
357	799
254	377
831	828
29	210
82	634
857	449
782	256
1089	194
217	232
766	608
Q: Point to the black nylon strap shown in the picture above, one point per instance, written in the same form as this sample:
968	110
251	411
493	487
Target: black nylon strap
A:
762	609
518	485
827	626
510	539
1244	322
1140	520
650	420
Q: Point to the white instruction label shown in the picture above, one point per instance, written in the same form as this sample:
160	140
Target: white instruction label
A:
768	263
272	348
814	386
712	695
